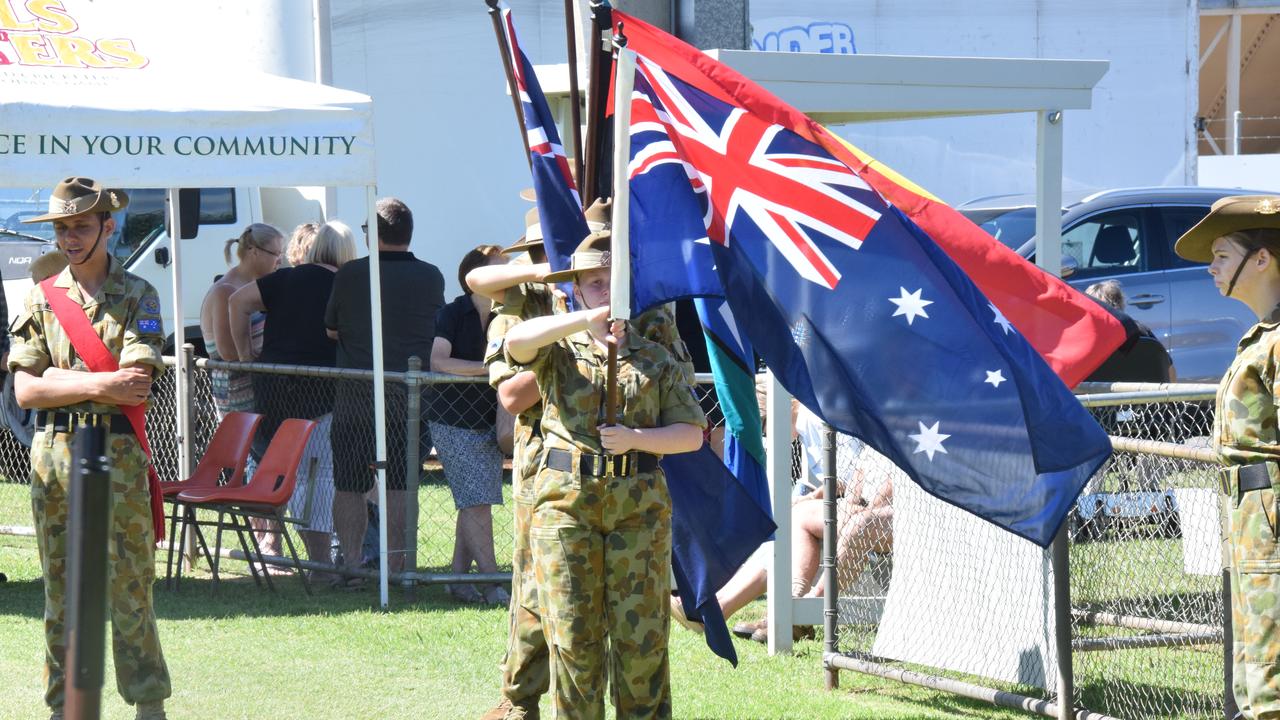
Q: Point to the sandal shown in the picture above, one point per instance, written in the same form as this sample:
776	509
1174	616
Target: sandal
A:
464	593
497	596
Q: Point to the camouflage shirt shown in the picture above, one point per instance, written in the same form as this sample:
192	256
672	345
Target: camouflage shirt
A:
659	325
125	313
571	374
1244	420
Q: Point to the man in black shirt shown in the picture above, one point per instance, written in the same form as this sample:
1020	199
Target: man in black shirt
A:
412	292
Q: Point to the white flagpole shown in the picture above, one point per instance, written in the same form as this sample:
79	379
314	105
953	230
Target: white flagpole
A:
620	246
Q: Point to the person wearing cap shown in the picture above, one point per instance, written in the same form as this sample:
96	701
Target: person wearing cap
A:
1240	240
54	377
601	528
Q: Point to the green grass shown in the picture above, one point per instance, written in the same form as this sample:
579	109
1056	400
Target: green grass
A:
244	653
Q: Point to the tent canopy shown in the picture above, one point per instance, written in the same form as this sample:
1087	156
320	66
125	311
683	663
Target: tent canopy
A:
171	127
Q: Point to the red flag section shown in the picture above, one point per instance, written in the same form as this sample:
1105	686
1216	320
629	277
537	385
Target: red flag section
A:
1071	332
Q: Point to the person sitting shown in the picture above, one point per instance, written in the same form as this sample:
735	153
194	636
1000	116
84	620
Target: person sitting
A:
865	512
1142	357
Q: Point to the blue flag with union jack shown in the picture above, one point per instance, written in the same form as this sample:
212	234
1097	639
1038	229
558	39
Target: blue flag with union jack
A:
559	206
858	312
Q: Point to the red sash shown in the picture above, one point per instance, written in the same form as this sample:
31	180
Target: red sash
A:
84	339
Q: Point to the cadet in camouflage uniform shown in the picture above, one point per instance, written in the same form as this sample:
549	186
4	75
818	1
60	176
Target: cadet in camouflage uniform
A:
49	375
522	296
1240	239
601	529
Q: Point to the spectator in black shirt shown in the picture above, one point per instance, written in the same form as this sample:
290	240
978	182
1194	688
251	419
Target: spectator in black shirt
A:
294	334
462	426
412	293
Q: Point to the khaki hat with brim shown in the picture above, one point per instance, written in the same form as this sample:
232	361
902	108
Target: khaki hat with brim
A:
1228	215
532	237
48	265
76	196
591	254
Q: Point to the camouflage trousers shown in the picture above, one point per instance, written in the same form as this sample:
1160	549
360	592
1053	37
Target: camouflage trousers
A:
602	553
525	669
141	674
1255	604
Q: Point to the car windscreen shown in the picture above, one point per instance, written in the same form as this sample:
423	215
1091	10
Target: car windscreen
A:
17	205
1013	227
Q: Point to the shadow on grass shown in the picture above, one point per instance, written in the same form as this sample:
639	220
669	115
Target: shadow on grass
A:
1143	701
237	596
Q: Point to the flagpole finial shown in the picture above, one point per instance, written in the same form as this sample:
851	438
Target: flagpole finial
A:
619	39
493	5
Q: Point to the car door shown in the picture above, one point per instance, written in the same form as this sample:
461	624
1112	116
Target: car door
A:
1206	325
1120	244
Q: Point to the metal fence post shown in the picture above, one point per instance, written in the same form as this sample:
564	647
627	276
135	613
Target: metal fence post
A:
413	463
1060	550
1229	707
831	596
186	411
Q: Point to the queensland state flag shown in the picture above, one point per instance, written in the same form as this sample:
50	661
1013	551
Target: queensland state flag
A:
856	309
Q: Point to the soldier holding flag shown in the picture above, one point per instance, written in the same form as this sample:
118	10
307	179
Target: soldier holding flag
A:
601	526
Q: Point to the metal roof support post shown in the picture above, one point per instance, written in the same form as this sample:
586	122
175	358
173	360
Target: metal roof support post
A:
778	452
1049	257
379	389
181	386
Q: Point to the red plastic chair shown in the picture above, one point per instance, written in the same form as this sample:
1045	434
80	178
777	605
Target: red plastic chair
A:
266	496
223	463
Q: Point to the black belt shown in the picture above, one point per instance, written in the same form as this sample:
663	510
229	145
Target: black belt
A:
1247	477
68	421
589	465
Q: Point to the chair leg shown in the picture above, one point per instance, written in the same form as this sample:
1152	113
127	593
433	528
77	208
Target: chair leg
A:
174	542
189	517
257	553
241	531
293	552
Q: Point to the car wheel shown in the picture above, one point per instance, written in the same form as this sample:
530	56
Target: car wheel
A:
21	422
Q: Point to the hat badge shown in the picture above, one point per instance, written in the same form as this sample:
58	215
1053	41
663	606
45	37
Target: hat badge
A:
59	206
605	258
115	201
1267	207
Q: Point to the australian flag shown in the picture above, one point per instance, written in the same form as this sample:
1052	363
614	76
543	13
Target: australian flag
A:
559	206
858	312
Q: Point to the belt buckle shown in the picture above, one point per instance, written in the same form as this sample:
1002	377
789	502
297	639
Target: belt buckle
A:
84	419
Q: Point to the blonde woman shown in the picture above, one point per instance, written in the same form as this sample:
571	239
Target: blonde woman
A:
294	299
257	251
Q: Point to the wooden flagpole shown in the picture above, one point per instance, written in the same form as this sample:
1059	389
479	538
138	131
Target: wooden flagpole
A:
597	89
575	110
508	64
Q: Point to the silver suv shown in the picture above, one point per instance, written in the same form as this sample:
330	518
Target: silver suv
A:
1128	235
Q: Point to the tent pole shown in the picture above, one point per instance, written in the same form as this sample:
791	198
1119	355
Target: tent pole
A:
379	386
179	334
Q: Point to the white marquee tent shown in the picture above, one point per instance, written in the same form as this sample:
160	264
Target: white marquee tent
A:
168	127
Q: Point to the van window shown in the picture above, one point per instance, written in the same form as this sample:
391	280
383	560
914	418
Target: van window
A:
144	217
1110	243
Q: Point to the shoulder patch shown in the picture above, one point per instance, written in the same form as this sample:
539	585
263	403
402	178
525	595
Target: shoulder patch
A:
151	305
149	325
493	347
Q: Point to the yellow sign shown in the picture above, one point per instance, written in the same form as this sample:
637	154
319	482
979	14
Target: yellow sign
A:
42	33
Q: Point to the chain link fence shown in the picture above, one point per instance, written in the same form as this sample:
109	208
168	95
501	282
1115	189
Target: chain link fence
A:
940	598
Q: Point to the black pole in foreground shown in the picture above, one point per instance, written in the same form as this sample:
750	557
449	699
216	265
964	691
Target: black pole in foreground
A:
89	513
597	178
575	111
